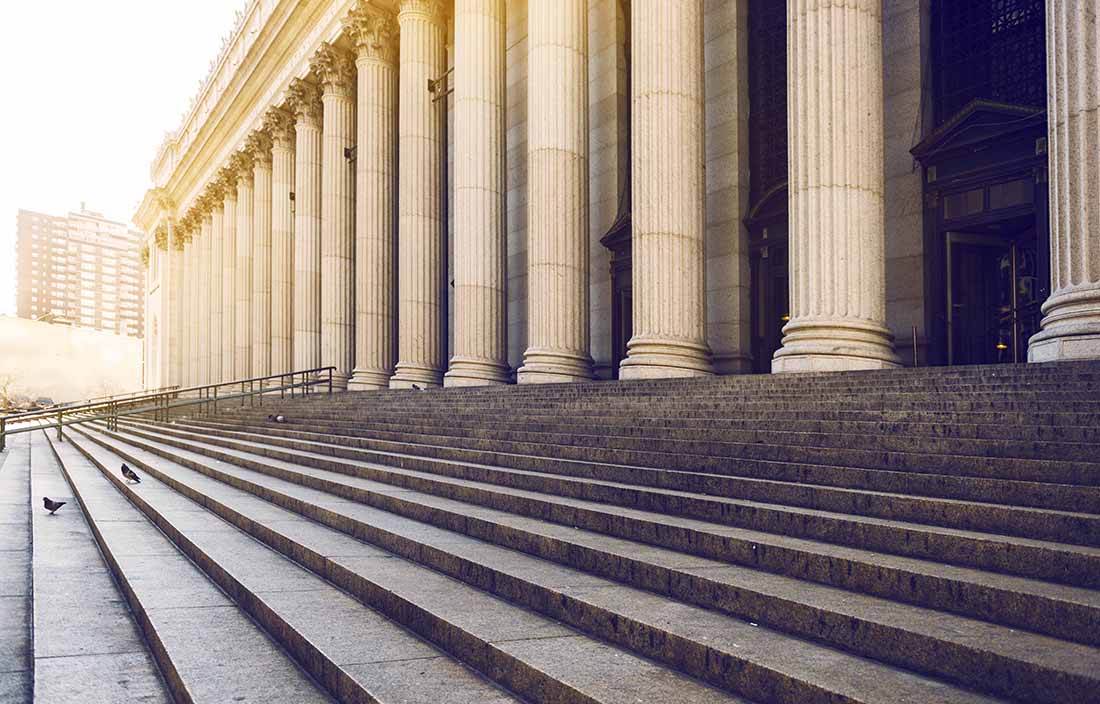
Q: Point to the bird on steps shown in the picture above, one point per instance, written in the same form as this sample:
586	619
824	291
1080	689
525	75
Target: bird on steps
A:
419	388
130	475
51	505
277	419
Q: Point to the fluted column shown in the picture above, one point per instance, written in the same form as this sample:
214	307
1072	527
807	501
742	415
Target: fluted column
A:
187	355
281	125
259	146
668	210
175	303
557	193
305	101
1071	316
337	73
229	276
420	221
212	278
480	248
837	236
374	32
242	365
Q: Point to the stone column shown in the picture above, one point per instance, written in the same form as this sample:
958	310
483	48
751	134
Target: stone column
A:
211	325
668	210
480	247
375	34
557	193
280	124
1071	316
337	73
837	237
420	221
174	326
229	276
187	358
305	101
242	164
259	147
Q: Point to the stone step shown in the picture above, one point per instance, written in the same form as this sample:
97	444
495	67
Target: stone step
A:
87	646
915	581
1029	557
709	441
206	646
1054	610
722	457
683	634
731	479
16	654
950	501
535	656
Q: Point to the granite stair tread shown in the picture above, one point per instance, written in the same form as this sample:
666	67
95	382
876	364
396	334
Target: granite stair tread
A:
592	599
207	648
16	651
355	653
415	592
779	592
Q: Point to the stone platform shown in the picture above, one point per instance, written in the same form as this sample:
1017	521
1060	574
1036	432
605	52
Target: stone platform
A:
915	536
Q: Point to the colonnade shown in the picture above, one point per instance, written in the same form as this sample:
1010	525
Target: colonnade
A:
289	259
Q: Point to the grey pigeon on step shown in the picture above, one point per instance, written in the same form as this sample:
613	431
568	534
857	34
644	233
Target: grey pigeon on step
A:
418	388
130	475
52	505
277	419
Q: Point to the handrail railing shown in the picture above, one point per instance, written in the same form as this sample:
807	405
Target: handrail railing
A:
162	403
95	399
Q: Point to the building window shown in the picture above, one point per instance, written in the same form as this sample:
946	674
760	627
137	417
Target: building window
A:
767	94
988	49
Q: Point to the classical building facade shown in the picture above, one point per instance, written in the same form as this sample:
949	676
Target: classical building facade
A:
81	269
474	191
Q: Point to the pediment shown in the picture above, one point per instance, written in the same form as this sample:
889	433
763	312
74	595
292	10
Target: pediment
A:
980	122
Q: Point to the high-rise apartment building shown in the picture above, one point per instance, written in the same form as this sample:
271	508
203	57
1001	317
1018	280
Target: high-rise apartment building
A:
80	268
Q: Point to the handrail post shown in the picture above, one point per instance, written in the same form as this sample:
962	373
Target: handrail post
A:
215	400
3	433
330	381
60	437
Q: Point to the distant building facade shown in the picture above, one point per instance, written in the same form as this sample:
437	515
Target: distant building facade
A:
80	268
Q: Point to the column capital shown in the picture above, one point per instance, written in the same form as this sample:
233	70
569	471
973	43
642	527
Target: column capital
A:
241	164
434	11
279	124
227	181
373	31
335	68
160	236
258	146
304	100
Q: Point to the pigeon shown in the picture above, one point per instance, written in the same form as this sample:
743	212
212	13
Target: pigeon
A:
130	475
51	505
279	419
419	388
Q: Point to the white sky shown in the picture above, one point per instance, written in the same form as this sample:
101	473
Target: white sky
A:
89	90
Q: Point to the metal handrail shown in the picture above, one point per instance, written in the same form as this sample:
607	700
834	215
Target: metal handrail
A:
96	399
161	403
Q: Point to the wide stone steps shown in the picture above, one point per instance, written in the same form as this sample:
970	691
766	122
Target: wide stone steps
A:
702	496
206	646
16	653
887	451
632	611
537	657
755	600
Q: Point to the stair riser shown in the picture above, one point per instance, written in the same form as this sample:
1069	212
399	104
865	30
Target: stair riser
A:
695	659
1025	561
986	517
890	645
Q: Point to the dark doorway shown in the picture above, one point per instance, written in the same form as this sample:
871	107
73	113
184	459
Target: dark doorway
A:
768	213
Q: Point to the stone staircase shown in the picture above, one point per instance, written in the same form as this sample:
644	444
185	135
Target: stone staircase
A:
910	536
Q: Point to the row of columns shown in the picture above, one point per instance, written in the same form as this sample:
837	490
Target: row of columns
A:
291	262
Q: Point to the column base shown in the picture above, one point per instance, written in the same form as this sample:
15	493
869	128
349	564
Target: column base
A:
656	358
834	346
541	366
406	374
1070	327
369	380
471	371
340	381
